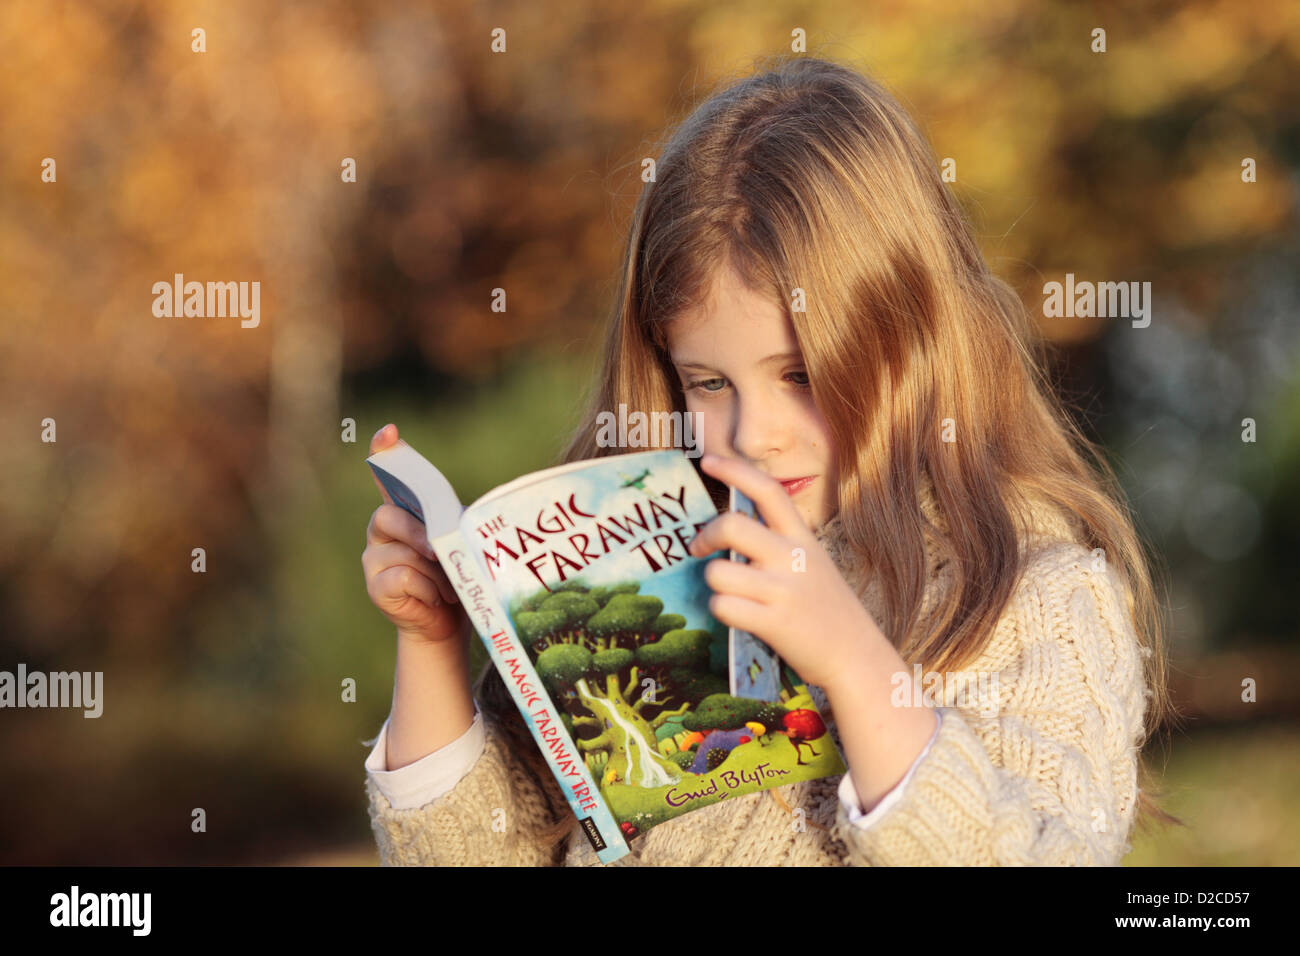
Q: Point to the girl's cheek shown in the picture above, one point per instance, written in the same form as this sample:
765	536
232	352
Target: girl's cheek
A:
703	425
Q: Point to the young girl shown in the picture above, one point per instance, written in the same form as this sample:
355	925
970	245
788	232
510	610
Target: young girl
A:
800	274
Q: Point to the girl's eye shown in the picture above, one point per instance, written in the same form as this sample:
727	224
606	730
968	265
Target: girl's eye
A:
705	381
700	384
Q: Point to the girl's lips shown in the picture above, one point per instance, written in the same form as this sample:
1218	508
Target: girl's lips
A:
795	485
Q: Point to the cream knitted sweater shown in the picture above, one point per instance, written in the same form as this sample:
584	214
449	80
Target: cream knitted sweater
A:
1047	777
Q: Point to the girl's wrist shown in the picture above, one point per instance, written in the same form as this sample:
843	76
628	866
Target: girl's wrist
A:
414	645
870	664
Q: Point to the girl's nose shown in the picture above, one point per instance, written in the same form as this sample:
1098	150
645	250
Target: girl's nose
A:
759	428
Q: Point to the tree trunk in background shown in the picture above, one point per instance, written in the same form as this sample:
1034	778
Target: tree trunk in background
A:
306	354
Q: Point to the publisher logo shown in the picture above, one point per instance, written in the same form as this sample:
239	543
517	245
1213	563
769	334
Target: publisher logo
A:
593	833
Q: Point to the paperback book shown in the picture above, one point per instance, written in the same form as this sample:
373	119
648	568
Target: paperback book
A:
578	581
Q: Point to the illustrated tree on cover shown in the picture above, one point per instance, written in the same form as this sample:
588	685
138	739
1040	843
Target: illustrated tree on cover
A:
595	647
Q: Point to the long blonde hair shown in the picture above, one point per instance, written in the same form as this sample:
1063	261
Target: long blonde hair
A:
809	175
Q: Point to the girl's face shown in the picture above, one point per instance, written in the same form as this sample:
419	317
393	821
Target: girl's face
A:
739	364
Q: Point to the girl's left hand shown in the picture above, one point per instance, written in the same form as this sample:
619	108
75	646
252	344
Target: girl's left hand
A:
810	617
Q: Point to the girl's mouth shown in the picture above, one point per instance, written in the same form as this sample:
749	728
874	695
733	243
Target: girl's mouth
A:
795	485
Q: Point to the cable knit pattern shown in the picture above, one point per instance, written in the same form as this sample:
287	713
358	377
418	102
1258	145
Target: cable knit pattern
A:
1049	778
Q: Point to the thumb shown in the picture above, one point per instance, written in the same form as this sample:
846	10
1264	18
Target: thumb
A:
386	437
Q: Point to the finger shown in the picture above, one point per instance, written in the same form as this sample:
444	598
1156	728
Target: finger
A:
768	494
386	437
403	580
725	576
741	533
740	612
399	552
444	585
377	557
395	528
391	523
383	438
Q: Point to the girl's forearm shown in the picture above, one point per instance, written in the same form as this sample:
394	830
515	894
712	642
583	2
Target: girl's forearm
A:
432	700
880	740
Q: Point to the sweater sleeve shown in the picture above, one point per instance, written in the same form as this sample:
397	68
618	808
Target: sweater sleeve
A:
429	777
1048	776
492	816
852	803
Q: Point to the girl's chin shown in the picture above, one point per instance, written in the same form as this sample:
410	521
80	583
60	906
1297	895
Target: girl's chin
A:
819	521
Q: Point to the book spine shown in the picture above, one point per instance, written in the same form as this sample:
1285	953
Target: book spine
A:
539	711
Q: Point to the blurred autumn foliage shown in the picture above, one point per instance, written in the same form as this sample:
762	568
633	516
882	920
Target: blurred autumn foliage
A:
515	170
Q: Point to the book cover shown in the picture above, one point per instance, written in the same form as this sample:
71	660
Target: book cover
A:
755	669
587	595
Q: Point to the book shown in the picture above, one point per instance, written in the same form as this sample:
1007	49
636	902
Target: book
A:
754	669
578	581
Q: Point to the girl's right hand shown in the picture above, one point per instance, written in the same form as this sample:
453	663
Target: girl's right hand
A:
403	577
